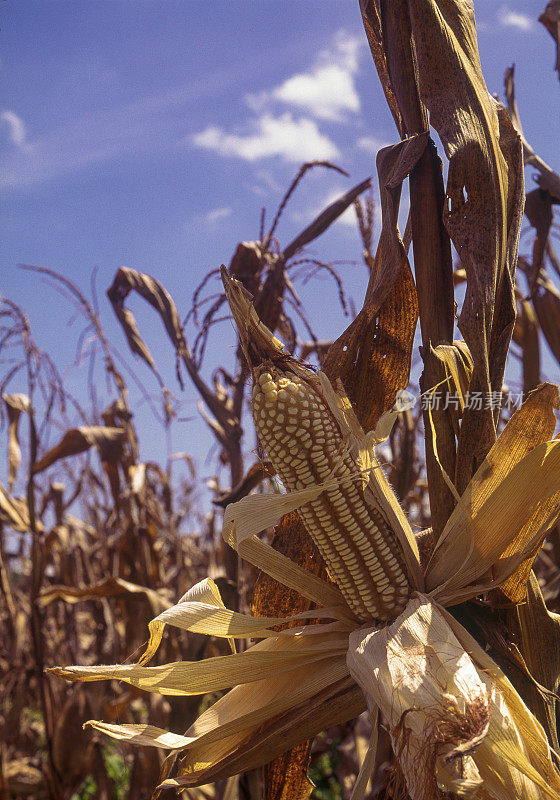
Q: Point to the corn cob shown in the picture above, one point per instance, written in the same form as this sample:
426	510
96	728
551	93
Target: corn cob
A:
305	445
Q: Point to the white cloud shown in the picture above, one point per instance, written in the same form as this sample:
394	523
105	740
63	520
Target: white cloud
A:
217	214
514	19
291	139
16	127
327	90
371	144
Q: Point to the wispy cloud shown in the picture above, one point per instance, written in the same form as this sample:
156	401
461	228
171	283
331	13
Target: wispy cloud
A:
294	140
153	123
16	127
510	18
327	90
217	214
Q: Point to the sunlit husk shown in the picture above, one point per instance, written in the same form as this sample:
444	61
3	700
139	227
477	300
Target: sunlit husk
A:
455	721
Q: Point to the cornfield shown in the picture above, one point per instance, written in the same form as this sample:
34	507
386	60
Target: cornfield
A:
370	606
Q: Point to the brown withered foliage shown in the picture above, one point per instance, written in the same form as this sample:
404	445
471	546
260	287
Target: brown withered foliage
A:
93	540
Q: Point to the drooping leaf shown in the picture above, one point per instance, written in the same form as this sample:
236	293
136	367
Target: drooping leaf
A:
505	510
16	404
295	713
77	440
372	356
550	18
127	280
109	587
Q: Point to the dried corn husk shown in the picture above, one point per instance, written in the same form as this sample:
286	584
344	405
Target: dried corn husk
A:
455	721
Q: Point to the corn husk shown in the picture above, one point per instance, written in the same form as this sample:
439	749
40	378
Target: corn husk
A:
456	723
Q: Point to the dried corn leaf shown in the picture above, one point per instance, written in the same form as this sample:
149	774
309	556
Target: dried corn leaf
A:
454	361
325	219
372	26
127	280
497	532
540	646
229	727
548	179
314	706
253	477
110	587
485	195
282	654
550	18
77	440
546	301
14	512
146	735
16	404
532	425
201	610
372	356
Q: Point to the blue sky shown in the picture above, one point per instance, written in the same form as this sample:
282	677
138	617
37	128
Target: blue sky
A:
149	133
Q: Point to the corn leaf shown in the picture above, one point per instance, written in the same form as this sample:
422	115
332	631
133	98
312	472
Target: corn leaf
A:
16	404
487	527
294	715
372	356
550	18
213	619
540	646
110	587
78	440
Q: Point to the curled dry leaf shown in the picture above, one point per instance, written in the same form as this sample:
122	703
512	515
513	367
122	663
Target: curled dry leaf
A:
16	404
325	219
110	587
550	18
548	179
372	356
15	513
502	517
77	440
